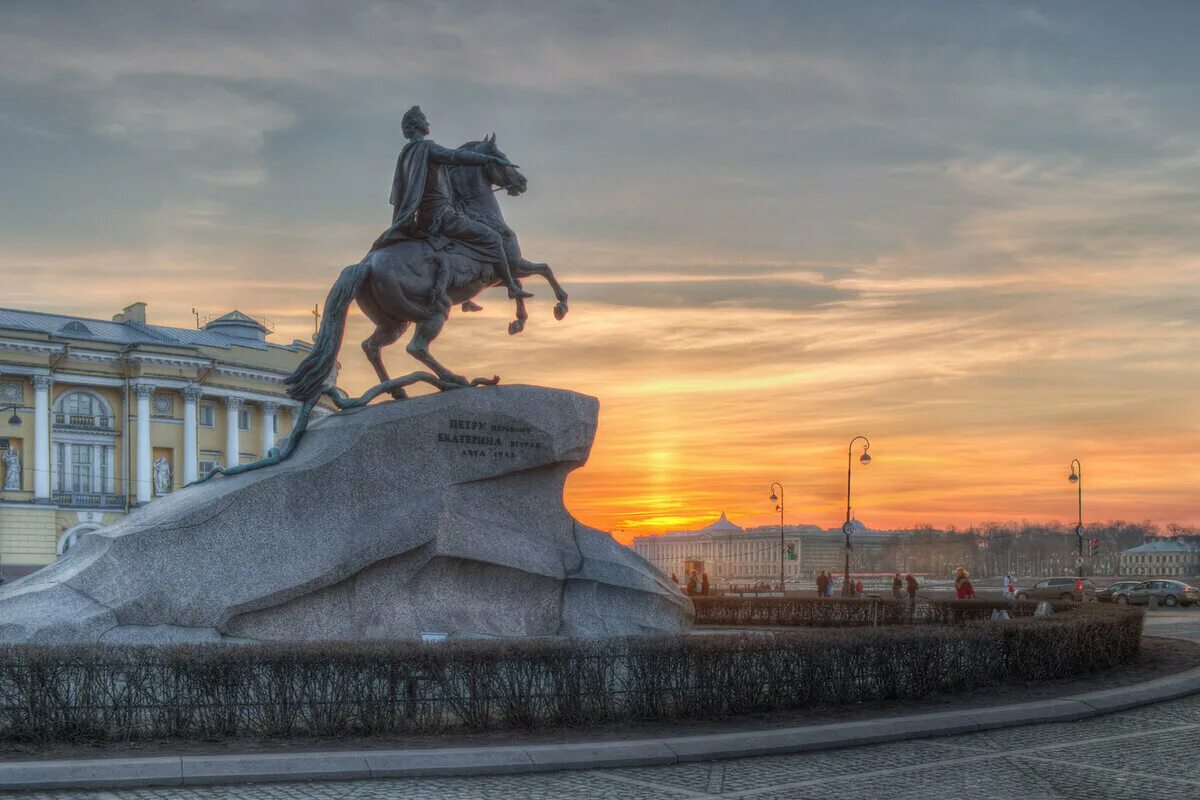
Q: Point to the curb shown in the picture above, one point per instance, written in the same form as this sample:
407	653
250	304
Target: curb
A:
204	770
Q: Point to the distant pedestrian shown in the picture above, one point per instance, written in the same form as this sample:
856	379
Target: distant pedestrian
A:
858	589
897	586
963	590
829	585
704	583
674	579
912	585
822	584
1010	588
691	585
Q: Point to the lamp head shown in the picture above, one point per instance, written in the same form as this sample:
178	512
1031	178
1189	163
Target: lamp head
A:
865	458
773	497
1073	477
14	420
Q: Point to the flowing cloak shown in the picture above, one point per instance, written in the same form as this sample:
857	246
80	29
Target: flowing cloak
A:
467	236
408	185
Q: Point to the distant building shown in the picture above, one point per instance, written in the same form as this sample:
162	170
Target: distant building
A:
1161	558
99	416
734	554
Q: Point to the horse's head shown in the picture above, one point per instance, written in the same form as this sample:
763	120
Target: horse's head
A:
508	178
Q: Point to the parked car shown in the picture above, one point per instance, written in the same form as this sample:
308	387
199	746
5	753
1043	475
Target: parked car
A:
1169	593
1077	589
1106	594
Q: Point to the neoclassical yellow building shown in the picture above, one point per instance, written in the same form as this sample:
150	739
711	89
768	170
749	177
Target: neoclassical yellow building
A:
98	417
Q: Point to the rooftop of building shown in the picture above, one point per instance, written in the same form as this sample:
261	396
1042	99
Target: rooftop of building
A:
1165	546
234	329
724	527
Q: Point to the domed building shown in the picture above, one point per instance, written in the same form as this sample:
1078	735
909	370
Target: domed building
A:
725	551
732	554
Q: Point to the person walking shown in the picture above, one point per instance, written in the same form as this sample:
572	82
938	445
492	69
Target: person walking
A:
704	584
897	586
1010	588
822	584
858	588
691	585
963	590
912	585
829	585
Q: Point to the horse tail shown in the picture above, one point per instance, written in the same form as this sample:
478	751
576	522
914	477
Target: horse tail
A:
307	380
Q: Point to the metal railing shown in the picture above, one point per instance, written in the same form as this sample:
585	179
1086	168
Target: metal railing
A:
90	422
89	500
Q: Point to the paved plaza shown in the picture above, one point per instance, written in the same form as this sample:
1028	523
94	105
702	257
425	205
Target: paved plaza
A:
1148	751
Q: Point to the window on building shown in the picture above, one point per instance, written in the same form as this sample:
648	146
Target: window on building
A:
206	466
243	419
81	468
208	415
80	404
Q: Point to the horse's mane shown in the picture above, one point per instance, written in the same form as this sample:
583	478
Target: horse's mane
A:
478	147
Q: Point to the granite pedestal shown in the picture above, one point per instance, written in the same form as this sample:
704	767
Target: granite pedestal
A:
435	515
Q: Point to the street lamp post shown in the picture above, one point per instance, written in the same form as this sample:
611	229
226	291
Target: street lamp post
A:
1076	478
779	508
864	459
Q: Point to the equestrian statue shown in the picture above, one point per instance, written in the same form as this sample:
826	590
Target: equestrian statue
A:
447	243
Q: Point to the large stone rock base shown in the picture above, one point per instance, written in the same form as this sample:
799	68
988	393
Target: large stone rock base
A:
441	514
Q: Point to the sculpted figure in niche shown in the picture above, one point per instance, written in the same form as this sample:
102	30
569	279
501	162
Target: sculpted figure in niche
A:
12	470
162	476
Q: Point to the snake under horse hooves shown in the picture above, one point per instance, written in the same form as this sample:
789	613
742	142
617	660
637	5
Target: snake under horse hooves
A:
280	453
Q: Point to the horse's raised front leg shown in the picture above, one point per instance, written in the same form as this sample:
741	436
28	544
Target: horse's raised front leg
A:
418	348
373	344
526	268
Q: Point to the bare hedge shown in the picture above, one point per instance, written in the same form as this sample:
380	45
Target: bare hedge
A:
124	693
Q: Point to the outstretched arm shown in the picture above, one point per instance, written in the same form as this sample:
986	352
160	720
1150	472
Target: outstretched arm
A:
460	157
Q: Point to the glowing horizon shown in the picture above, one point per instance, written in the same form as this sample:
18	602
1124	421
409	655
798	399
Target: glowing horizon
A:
970	234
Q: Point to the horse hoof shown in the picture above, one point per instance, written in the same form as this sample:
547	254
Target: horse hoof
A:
399	394
515	327
560	311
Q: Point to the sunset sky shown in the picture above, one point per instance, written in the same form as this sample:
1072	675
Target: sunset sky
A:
968	231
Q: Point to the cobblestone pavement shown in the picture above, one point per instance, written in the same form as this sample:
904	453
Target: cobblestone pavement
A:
1181	623
1148	751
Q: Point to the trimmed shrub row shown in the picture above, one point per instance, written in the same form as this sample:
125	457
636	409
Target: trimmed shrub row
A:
811	612
50	694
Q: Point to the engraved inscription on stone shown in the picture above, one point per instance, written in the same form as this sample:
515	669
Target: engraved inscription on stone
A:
481	438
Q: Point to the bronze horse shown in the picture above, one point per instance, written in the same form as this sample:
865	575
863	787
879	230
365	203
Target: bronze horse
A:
410	283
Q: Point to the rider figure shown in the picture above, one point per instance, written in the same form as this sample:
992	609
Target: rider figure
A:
424	205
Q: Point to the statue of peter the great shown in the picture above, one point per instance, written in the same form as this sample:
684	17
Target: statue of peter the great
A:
424	203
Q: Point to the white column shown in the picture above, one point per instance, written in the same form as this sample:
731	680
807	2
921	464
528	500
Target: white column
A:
41	437
190	395
67	479
232	406
110	459
97	459
268	426
145	455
